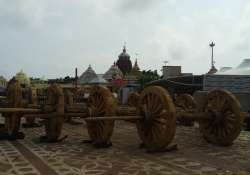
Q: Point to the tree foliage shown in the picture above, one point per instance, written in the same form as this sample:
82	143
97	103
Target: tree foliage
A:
148	76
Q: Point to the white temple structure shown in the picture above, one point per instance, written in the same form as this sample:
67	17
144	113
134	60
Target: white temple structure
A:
87	76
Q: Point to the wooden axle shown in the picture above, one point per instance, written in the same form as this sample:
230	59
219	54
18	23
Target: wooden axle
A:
20	110
51	115
106	118
187	116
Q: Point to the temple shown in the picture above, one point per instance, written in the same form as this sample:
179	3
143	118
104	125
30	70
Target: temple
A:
124	62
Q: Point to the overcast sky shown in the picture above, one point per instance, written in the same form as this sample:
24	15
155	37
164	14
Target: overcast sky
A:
52	37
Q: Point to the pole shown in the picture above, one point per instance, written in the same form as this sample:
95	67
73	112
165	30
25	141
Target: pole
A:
76	78
212	60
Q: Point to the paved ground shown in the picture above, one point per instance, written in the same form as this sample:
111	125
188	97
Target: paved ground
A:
72	157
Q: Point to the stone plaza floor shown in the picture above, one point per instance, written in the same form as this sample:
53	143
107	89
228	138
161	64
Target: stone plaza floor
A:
73	157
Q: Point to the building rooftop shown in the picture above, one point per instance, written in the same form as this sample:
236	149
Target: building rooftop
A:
112	73
87	76
242	69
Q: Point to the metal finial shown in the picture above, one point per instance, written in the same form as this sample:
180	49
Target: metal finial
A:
124	47
212	44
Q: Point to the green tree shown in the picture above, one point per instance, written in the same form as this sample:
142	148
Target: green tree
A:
148	76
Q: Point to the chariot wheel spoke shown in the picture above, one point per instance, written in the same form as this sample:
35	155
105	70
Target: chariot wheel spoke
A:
225	130
155	101
103	102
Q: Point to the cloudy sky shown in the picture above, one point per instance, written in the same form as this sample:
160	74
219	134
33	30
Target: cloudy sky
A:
52	37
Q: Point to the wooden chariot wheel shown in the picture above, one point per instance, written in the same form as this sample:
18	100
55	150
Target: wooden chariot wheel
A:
185	103
13	120
226	120
53	125
101	102
157	128
133	99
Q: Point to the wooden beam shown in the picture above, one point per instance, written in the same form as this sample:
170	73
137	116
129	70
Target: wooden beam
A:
21	110
113	118
48	115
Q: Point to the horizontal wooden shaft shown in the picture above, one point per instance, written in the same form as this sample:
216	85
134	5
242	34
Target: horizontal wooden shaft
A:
51	115
21	110
113	118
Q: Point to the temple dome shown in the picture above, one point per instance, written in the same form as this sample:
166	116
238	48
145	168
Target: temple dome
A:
124	62
87	76
22	78
112	72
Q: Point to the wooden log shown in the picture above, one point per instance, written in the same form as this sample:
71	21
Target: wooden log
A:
113	118
19	110
48	115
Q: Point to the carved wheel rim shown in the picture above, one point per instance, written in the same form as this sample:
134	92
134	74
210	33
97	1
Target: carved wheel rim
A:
12	124
56	99
226	121
101	103
12	120
157	129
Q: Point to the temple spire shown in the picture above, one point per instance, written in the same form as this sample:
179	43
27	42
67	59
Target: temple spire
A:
124	47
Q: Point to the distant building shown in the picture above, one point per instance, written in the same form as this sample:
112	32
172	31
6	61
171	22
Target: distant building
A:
173	71
225	69
98	81
135	70
112	73
124	62
87	76
39	83
131	82
23	79
242	69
